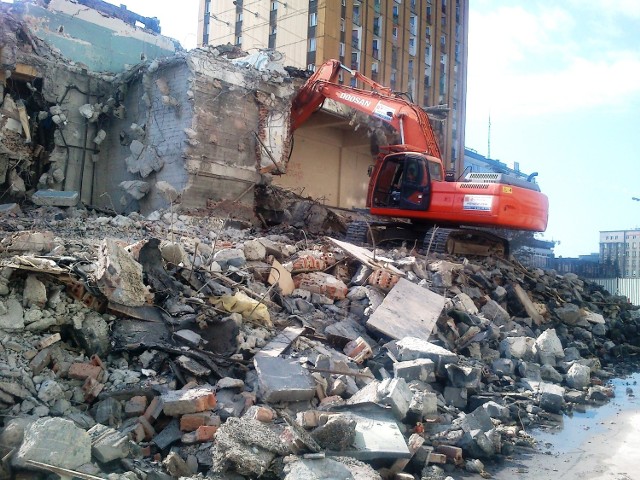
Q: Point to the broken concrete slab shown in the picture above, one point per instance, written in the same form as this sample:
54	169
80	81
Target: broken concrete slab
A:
13	317
395	393
283	380
55	198
55	441
578	376
377	433
120	276
412	348
409	310
107	444
422	369
548	347
326	468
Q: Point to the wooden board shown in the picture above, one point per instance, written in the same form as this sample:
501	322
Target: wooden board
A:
407	311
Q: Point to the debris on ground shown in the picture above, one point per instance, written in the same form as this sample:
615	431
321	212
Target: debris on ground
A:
229	352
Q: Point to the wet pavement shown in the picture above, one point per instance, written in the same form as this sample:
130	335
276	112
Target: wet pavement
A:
601	442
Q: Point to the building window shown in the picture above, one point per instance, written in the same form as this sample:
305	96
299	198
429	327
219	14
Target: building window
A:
376	49
312	44
413	24
313	19
239	40
239	17
396	14
342	49
412	46
274	30
207	7
311	67
395	32
356	14
274	6
342	25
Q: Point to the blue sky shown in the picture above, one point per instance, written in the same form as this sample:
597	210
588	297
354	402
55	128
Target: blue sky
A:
561	81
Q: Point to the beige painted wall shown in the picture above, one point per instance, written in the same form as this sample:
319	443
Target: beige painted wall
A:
329	164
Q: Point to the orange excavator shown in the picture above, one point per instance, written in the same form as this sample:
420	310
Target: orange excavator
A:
408	179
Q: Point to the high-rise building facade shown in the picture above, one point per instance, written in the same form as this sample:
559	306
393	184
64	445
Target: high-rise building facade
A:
621	248
413	46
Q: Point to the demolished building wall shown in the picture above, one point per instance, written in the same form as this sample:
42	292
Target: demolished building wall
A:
193	121
204	125
99	42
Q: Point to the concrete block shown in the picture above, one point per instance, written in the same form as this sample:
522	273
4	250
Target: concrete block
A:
479	419
503	366
517	347
55	441
412	348
494	312
254	250
13	317
119	276
108	444
409	310
176	466
548	347
283	380
550	374
395	393
169	435
230	257
495	410
455	396
463	376
179	402
422	369
578	376
529	370
34	293
108	412
55	198
551	397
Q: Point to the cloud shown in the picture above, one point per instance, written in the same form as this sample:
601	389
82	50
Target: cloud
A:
540	61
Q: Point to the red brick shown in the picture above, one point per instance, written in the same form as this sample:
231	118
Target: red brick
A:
206	433
191	421
154	409
179	402
91	389
82	371
264	414
149	431
136	406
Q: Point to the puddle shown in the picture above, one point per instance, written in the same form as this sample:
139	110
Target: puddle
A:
575	428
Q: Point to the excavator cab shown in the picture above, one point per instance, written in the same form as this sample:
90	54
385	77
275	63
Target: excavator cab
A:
403	181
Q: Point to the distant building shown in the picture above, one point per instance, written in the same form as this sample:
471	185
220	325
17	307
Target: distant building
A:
621	248
474	162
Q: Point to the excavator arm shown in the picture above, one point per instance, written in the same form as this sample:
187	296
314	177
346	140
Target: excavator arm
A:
409	120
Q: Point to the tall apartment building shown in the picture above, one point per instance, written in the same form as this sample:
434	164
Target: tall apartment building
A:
413	46
621	248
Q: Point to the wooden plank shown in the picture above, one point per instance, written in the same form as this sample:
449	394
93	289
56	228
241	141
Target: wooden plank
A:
282	277
365	256
407	311
528	305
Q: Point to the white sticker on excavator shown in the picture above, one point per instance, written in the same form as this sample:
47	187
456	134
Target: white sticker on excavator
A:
384	112
477	202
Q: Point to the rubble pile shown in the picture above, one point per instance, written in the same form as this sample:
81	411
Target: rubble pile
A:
179	346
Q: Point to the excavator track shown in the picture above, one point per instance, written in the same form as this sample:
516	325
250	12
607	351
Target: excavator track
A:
453	241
